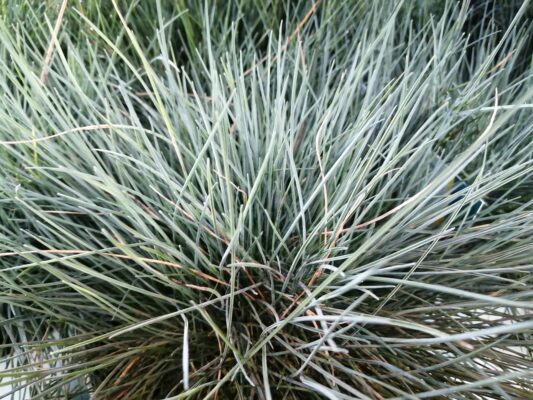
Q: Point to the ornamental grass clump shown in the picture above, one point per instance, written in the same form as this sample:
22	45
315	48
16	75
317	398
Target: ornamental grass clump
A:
266	200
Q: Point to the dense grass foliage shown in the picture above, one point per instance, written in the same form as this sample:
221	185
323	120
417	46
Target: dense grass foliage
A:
266	199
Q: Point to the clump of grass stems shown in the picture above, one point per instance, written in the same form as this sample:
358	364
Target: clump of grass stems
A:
256	204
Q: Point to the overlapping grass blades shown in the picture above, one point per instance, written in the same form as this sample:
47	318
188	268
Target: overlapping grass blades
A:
220	211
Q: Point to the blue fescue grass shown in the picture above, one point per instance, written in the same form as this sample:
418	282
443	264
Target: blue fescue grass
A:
245	208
